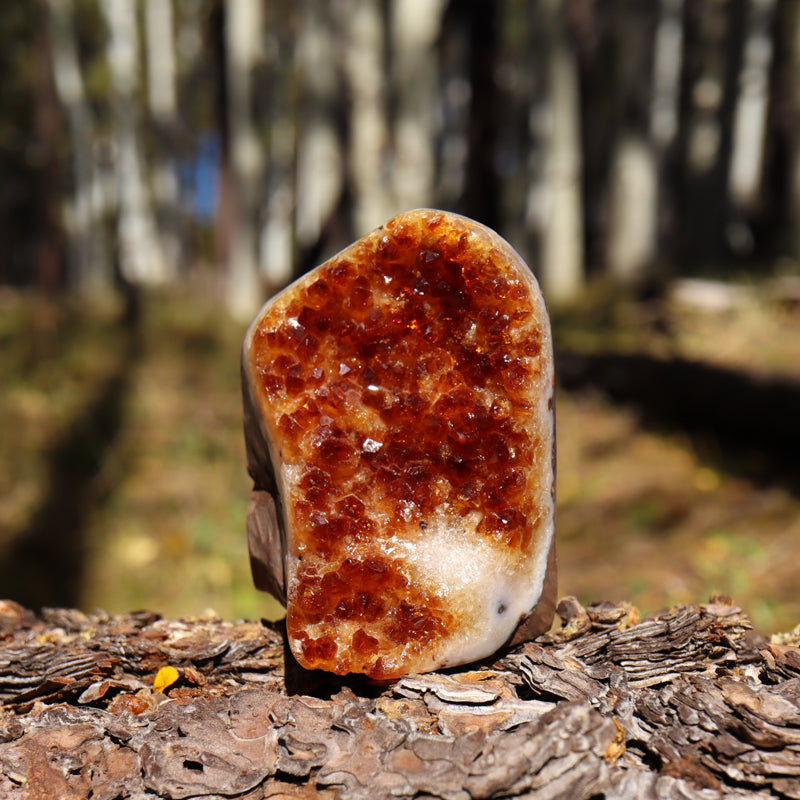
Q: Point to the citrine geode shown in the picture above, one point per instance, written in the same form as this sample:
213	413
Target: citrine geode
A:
400	434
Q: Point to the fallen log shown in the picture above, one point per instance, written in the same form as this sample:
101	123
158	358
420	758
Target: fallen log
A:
688	703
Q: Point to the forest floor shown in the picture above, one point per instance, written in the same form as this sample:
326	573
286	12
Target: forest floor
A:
121	451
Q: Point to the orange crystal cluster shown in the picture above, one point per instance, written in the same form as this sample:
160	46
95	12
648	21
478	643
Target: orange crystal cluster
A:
399	386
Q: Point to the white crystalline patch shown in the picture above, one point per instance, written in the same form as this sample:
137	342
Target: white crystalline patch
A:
483	583
470	335
447	557
371	446
291	474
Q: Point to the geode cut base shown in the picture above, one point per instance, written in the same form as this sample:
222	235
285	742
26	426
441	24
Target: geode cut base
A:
400	434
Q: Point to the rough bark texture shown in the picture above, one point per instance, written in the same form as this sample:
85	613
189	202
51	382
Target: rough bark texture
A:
686	704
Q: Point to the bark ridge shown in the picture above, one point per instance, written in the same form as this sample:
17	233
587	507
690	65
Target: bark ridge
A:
689	703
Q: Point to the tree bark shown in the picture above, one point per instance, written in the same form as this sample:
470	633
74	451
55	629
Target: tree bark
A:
162	100
688	703
243	34
713	40
363	36
783	154
414	27
140	257
562	247
321	132
633	185
49	235
277	236
750	116
482	189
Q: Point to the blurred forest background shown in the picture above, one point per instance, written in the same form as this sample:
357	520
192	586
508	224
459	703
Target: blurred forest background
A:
166	165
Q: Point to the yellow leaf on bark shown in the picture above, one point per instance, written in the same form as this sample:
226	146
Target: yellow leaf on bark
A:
165	677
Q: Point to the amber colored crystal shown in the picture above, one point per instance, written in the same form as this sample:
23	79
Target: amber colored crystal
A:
399	407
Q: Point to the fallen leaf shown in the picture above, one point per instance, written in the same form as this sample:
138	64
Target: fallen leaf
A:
617	745
165	677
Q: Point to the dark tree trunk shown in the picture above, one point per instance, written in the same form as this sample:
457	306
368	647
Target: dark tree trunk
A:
713	40
782	191
215	31
590	27
482	189
50	242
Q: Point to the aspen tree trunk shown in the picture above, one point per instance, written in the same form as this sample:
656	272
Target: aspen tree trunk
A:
453	98
664	110
90	270
633	207
562	246
320	164
368	147
276	242
159	29
750	116
414	27
243	36
160	42
667	59
633	179
140	257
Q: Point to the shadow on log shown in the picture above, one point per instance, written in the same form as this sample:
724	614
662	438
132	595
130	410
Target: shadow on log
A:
750	416
689	704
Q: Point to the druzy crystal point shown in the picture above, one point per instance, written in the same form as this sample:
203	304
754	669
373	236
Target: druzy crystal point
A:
399	426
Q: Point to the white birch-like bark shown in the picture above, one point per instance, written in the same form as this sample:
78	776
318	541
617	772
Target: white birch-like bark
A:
667	60
633	208
319	155
160	38
319	177
369	144
562	245
140	256
161	95
276	245
633	179
90	273
276	235
243	38
750	117
414	26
